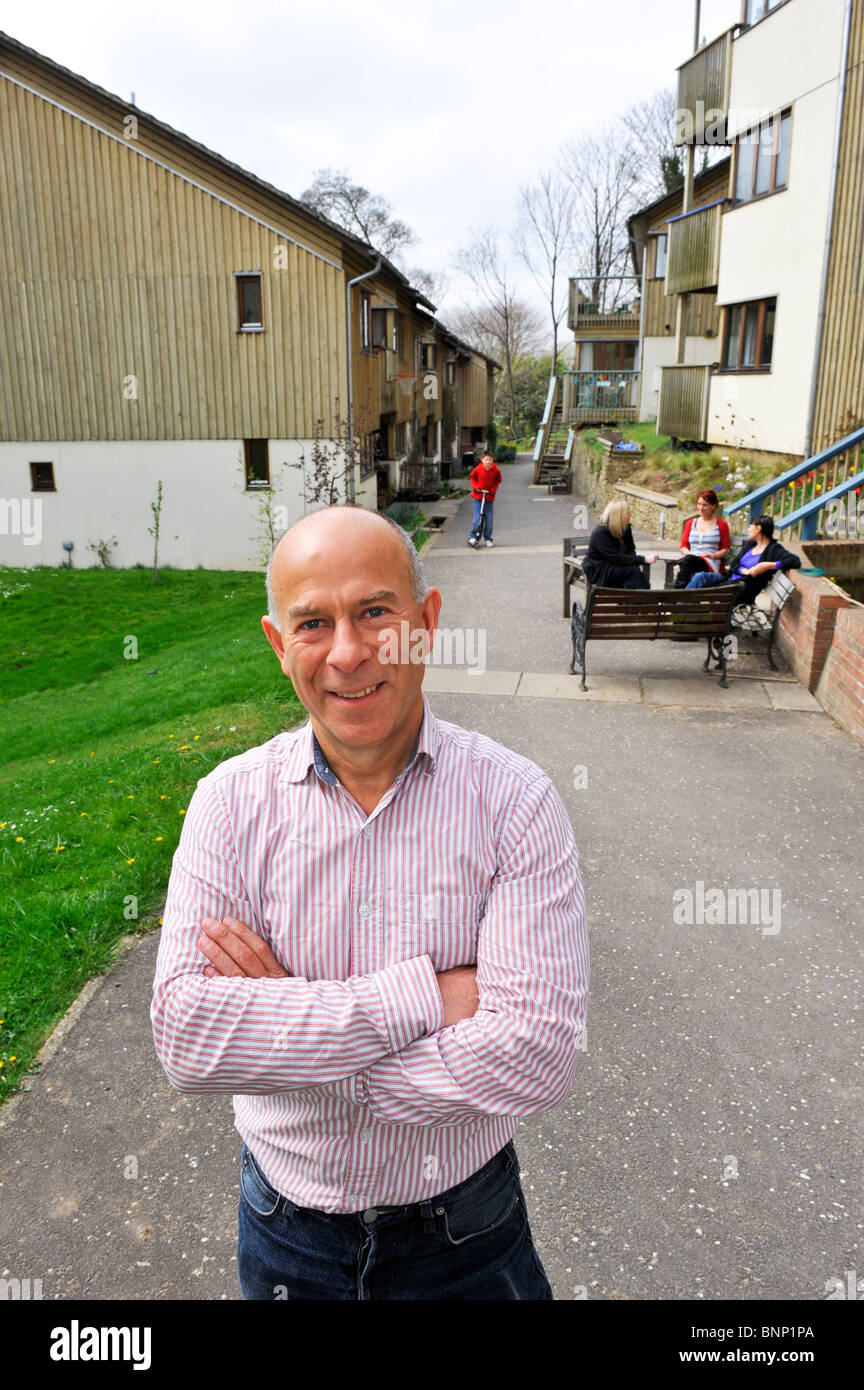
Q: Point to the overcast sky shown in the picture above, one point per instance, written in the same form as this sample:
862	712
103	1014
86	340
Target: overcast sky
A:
444	108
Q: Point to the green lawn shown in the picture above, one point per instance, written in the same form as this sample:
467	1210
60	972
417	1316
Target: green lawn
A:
101	754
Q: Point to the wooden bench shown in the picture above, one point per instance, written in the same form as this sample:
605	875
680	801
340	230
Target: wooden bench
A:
575	550
634	615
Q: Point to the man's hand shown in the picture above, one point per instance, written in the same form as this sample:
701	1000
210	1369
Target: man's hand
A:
459	993
234	949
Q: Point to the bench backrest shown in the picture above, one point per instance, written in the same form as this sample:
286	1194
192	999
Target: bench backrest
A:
634	614
779	589
572	544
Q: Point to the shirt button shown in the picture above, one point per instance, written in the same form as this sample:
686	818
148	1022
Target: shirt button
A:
370	1215
353	1201
365	909
367	832
365	1135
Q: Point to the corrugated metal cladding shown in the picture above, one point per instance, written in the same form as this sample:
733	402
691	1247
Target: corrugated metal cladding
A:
126	270
840	390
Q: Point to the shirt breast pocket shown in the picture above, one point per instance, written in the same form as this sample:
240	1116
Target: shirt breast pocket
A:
438	925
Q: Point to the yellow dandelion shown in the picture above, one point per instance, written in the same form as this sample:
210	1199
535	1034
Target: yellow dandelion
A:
184	747
160	837
170	735
155	760
131	797
183	812
130	861
58	849
85	813
110	779
13	1059
52	760
2	825
19	839
92	755
197	736
163	797
160	921
2	1063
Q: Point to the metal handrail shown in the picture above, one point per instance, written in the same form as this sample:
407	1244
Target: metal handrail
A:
807	513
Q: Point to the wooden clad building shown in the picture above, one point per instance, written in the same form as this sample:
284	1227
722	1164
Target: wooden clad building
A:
172	318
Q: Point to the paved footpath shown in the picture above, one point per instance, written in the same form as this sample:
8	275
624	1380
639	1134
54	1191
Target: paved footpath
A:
711	1145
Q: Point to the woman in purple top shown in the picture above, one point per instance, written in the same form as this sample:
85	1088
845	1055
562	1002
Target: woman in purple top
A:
759	557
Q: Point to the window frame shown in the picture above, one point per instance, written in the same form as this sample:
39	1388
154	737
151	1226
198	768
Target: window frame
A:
378	328
767	9
429	356
39	487
256	484
241	277
365	322
657	237
758	367
399	334
776	122
367	457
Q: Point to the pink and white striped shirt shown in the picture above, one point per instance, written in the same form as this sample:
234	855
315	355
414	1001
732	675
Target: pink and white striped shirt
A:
347	1088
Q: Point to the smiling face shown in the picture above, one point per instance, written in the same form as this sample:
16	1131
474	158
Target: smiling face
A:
706	510
343	583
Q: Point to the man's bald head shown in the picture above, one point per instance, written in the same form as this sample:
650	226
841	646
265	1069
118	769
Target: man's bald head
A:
340	527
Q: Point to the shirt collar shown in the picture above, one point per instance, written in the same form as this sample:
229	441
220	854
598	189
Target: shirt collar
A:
305	751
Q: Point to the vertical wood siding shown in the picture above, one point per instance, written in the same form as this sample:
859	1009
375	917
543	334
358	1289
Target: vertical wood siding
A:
112	267
840	389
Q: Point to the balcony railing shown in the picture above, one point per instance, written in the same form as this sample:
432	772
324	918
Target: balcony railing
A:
605	302
694	249
703	94
683	410
601	396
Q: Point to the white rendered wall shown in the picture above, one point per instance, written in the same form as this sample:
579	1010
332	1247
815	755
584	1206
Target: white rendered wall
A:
775	246
105	490
661	352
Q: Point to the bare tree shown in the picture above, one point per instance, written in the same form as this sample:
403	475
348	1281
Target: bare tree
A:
543	238
431	283
350	205
649	125
603	168
498	319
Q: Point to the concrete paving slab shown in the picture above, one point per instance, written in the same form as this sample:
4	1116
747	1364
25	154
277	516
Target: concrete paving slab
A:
498	549
791	697
706	693
453	681
613	689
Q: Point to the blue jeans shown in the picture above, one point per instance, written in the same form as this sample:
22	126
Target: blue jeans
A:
706	577
471	1242
487	520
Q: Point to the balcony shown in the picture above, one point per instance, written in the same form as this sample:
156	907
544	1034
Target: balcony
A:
600	397
703	94
694	249
605	306
683	410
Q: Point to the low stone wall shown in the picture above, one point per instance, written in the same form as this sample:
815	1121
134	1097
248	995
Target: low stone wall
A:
598	478
651	511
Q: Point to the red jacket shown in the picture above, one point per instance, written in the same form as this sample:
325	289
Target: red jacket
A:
725	541
490	479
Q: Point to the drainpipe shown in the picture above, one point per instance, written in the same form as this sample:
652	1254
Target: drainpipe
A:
829	235
348	288
639	242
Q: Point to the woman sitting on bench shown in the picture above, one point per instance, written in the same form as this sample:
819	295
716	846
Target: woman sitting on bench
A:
759	557
612	562
705	542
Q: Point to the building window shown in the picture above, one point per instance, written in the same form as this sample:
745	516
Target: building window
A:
748	338
249	303
42	477
762	159
757	9
257	457
399	336
449	373
379	328
427	356
400	439
661	244
367	456
365	323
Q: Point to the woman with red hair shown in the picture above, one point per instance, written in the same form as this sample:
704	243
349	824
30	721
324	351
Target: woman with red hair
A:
705	541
